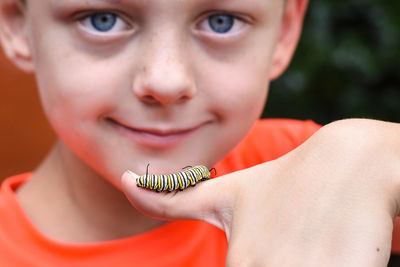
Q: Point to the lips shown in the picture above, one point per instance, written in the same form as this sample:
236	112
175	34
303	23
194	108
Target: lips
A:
154	137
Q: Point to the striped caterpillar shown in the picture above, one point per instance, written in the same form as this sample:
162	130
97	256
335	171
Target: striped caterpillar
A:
181	180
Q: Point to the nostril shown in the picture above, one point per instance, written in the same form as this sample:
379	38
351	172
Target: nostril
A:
163	87
163	94
149	99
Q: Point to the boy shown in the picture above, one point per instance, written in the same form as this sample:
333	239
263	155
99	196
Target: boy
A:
177	83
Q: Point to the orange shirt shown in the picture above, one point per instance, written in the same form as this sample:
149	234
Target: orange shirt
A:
180	243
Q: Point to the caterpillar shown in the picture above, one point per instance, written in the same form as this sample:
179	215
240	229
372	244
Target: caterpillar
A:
170	182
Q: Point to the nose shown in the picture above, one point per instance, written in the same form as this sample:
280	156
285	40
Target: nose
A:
164	77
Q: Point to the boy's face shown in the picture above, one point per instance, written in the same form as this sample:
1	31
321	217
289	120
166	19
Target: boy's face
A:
167	82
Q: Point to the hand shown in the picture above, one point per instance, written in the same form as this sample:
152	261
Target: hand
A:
329	202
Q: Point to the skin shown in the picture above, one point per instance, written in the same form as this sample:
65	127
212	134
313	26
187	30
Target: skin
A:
172	73
159	71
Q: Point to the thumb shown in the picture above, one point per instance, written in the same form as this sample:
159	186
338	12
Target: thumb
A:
210	201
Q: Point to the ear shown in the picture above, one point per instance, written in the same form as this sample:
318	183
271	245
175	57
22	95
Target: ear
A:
292	24
13	34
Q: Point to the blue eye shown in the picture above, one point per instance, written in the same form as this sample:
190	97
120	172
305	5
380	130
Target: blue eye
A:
221	23
103	22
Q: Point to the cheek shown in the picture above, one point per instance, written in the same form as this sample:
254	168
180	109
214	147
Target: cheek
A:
237	96
246	98
238	85
241	105
72	84
76	95
75	89
238	93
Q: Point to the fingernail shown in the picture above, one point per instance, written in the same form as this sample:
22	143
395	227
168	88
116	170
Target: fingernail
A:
132	174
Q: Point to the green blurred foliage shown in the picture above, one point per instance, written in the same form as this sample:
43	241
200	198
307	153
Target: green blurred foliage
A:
347	64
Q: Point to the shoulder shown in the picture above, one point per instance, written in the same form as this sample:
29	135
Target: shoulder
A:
282	130
278	136
11	184
267	140
10	209
12	226
286	126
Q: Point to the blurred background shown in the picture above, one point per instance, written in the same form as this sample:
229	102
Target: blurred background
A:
347	65
25	135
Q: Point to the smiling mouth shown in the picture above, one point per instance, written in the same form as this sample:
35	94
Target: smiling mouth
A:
152	137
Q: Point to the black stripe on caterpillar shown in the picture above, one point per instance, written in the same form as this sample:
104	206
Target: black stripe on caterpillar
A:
170	182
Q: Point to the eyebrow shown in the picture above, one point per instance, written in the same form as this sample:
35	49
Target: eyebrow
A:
108	1
65	6
57	4
87	2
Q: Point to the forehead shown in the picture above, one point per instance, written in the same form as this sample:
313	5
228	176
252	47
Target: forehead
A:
163	3
154	1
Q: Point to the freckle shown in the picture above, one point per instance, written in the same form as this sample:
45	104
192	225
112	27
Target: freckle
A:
377	249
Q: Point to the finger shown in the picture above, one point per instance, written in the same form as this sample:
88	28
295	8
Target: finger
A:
209	201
